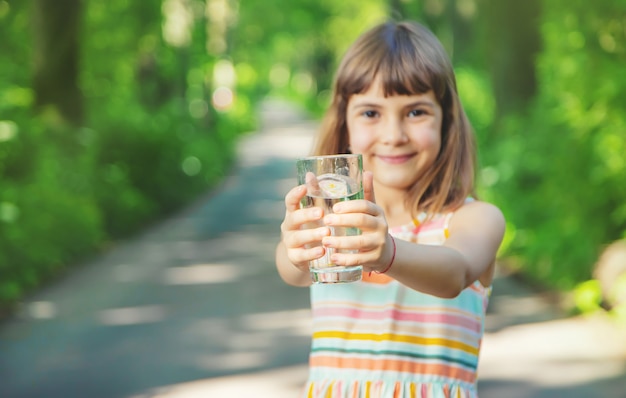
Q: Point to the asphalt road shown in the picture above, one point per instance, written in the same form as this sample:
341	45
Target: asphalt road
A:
193	307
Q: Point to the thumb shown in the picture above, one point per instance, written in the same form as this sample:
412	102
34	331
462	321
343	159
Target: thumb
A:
312	185
293	197
368	186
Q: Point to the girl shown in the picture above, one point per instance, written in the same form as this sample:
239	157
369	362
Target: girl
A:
413	326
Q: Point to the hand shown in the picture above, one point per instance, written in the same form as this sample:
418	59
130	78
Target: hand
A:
302	230
374	247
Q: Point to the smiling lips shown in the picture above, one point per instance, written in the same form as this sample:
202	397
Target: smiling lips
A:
398	159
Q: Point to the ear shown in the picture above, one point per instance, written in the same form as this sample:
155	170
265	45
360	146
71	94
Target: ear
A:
368	186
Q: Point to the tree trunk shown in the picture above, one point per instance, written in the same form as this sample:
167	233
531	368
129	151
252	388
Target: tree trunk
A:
513	41
464	46
56	57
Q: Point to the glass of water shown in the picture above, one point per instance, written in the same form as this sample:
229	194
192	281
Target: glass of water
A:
329	180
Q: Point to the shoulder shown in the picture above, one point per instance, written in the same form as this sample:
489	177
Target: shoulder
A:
478	214
473	206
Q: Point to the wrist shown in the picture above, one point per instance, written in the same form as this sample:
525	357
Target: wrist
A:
393	256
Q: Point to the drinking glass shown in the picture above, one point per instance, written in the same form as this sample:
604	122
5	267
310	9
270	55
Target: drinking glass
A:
329	180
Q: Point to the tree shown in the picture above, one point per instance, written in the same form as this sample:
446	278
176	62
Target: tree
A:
512	31
56	57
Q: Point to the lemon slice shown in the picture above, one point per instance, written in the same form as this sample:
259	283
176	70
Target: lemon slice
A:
333	187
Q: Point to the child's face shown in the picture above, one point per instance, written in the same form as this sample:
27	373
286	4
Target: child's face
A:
398	136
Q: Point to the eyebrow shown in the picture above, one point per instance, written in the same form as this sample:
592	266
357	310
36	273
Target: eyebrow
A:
427	103
367	104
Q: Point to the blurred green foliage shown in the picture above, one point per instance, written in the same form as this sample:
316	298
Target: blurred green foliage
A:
151	142
169	85
561	161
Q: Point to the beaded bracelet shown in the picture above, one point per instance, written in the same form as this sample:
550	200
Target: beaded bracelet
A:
393	256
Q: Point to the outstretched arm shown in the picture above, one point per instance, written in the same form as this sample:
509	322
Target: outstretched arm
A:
476	231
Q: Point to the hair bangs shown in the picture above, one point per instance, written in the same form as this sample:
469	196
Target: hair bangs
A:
358	76
402	77
403	66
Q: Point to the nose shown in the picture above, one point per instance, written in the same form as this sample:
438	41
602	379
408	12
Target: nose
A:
394	132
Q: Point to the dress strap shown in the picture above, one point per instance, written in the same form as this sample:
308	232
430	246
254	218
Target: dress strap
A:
446	231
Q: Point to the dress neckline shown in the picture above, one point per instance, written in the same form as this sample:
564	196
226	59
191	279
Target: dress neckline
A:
415	222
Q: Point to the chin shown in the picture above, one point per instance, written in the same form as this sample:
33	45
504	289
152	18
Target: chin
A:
396	184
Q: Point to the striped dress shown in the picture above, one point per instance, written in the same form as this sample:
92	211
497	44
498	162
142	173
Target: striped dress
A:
378	338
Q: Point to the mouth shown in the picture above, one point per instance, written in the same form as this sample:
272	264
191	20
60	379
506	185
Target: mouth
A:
396	159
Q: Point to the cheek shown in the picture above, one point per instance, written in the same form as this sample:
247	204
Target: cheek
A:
433	140
430	138
360	141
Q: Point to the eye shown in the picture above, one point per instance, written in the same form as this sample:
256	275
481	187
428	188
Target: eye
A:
417	113
370	114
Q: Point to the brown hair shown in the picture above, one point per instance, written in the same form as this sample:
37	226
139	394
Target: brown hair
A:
408	59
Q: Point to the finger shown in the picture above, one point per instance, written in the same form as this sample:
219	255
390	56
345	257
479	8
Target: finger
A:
357	220
293	198
311	215
312	185
368	186
302	238
357	206
304	256
361	243
352	259
302	219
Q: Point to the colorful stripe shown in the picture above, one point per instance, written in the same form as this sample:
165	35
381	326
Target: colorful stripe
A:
395	315
393	353
396	338
378	389
378	338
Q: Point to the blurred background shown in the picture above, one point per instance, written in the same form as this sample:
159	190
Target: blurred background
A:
116	114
